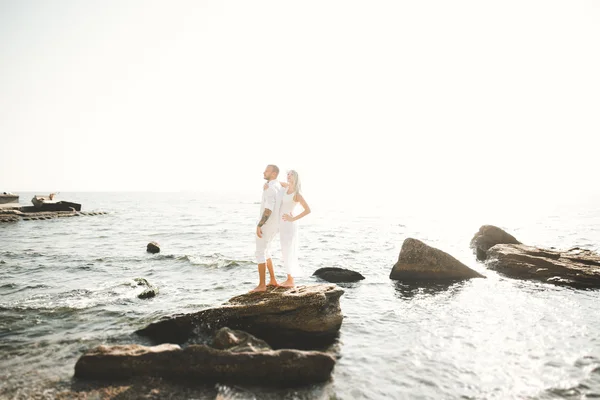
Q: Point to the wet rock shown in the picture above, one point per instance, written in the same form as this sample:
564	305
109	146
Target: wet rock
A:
420	262
305	317
153	248
149	292
238	341
576	267
487	237
141	282
338	275
200	363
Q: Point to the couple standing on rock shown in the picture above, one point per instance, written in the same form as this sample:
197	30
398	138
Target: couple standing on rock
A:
279	200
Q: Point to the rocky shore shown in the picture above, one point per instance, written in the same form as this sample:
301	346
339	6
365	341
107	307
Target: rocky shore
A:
274	338
284	337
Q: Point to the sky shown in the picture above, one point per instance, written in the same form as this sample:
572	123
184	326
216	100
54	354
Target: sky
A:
447	99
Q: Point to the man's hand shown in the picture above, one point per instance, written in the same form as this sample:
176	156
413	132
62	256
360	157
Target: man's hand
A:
259	232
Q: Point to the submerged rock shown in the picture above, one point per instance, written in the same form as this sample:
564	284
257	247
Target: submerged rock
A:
418	261
338	275
238	341
149	292
153	248
305	317
487	237
576	267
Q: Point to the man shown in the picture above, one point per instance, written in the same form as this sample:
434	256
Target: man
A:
267	228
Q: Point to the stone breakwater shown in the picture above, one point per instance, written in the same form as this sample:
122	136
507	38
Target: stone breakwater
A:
16	215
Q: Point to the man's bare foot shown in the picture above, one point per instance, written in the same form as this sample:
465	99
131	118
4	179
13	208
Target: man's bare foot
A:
288	283
259	288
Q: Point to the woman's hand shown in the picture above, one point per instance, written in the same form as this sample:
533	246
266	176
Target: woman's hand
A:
288	217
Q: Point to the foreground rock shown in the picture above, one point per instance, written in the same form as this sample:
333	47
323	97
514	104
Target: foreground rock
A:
487	237
153	248
338	275
576	267
200	363
305	317
418	261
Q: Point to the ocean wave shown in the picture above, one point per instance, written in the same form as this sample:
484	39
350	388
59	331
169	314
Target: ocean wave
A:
215	261
77	299
25	253
19	288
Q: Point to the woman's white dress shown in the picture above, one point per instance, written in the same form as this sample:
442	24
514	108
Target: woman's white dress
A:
288	235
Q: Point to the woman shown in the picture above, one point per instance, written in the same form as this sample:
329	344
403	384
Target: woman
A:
288	227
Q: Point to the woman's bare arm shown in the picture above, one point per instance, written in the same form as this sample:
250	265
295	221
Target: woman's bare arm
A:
304	213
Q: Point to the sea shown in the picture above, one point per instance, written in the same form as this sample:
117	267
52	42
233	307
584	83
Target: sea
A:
67	285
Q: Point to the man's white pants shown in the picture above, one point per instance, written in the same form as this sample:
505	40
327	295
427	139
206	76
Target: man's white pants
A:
263	244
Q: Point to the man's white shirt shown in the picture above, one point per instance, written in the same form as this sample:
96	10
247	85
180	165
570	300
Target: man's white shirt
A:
271	200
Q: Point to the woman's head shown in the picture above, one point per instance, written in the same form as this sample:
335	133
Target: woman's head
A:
294	180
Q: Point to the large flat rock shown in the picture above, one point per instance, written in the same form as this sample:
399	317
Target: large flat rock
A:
305	317
576	267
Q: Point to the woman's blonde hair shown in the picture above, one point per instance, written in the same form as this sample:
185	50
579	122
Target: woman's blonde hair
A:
298	186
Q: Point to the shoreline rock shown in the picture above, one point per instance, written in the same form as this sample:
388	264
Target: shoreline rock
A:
576	267
305	317
487	237
419	262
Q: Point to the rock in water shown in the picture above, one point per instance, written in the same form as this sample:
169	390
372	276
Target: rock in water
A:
153	248
576	267
149	292
202	363
305	317
238	341
418	261
338	275
487	237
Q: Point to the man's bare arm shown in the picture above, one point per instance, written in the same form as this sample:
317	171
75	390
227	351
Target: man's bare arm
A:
265	217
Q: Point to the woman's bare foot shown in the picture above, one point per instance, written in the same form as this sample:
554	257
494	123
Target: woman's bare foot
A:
289	282
273	283
259	288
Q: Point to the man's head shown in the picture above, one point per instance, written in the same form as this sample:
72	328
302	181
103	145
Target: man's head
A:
271	172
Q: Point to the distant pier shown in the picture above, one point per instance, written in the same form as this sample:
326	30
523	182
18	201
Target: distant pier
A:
29	213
